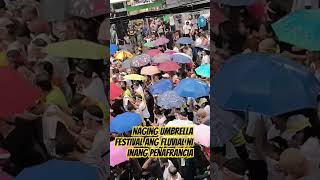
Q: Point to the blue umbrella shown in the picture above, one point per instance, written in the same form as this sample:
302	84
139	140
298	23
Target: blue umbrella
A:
194	88
161	87
169	100
224	125
265	83
125	122
181	58
300	28
113	49
236	2
202	22
185	40
203	70
57	169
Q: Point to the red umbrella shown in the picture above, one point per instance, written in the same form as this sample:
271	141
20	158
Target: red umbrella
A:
17	94
169	66
115	91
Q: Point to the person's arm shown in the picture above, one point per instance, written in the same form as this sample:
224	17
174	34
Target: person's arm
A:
260	136
146	164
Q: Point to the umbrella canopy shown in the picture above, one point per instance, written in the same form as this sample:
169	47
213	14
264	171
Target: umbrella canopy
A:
134	77
150	70
57	169
161	58
118	154
185	40
169	66
180	123
264	83
206	48
161	41
121	55
140	60
161	87
77	48
154	52
300	28
125	122
236	2
149	44
170	52
115	91
18	91
224	125
203	70
194	88
202	21
126	64
202	135
181	58
113	49
169	100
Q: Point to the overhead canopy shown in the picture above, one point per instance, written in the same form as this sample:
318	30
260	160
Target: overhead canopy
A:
116	1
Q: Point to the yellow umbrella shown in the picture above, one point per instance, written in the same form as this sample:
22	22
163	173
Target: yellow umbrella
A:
150	70
135	77
121	55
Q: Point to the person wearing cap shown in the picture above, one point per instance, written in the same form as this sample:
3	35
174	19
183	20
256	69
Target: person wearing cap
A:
95	139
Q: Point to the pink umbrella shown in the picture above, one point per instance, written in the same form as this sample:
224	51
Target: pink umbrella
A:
161	41
118	154
169	66
150	70
202	135
115	91
154	52
161	58
170	52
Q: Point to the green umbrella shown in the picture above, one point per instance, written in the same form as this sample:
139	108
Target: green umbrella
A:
77	48
149	44
166	19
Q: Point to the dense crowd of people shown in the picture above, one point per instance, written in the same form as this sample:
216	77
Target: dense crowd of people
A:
68	120
267	148
171	54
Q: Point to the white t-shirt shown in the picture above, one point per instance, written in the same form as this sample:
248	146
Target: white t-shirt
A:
198	41
186	29
162	120
96	91
143	110
311	149
99	147
205	60
250	131
274	172
171	21
166	173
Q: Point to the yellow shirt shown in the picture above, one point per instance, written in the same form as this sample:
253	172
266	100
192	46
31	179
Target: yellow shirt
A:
3	60
56	97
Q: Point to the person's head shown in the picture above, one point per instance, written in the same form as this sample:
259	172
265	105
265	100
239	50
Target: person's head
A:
173	171
201	115
182	115
234	169
77	114
164	162
268	46
130	107
93	117
43	81
29	13
73	29
187	23
265	31
84	72
280	123
37	44
7	28
293	162
44	66
299	129
139	98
